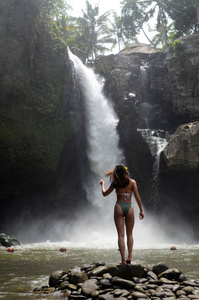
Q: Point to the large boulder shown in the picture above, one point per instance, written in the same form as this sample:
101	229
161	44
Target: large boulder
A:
8	240
182	150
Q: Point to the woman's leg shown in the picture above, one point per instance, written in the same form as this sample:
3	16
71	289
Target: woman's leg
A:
129	221
119	223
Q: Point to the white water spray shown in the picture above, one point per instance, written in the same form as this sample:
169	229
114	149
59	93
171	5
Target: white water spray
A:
97	229
103	153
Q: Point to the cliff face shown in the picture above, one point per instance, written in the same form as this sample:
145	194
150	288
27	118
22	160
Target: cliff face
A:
159	92
37	128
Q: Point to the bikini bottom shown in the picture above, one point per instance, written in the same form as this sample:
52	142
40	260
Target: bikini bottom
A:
125	206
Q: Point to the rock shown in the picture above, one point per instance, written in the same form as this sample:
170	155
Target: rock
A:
8	240
181	152
152	275
105	283
137	295
159	268
188	290
108	288
127	271
55	277
64	285
171	274
123	283
195	292
89	286
78	277
95	294
140	49
107	296
72	287
99	271
180	293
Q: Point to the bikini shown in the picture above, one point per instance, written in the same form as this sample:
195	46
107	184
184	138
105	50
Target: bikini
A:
125	206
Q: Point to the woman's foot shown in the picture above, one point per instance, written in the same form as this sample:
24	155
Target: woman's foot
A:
128	261
122	263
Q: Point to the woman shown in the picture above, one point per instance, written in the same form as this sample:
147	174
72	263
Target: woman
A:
123	212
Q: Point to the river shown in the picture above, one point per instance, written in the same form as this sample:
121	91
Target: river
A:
31	264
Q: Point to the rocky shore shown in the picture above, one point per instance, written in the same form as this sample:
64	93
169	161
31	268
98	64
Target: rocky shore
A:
133	281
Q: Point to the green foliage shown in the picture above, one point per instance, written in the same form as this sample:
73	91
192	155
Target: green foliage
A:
33	76
132	16
54	8
179	16
93	31
178	47
184	13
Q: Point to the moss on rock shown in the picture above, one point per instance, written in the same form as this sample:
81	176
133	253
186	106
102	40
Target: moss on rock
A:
34	124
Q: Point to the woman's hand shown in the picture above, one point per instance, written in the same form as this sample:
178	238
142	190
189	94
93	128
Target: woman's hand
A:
141	215
102	181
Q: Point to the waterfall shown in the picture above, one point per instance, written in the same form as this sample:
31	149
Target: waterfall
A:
102	138
155	177
97	226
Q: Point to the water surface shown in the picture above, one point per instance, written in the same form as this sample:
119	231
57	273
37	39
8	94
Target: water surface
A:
31	265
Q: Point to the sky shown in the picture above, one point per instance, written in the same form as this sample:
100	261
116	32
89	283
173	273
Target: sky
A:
104	5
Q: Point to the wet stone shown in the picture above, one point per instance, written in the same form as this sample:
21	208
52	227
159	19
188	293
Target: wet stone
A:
105	283
139	288
152	275
196	292
191	296
124	283
107	296
117	292
95	294
188	289
72	287
171	274
107	276
159	268
89	286
99	271
137	295
102	284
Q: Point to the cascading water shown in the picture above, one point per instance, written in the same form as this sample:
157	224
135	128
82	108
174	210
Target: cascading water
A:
103	151
156	144
103	154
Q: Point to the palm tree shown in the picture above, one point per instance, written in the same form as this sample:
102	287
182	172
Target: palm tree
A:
159	38
118	30
136	13
94	31
157	7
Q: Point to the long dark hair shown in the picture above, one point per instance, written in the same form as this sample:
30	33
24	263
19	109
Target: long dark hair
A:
119	176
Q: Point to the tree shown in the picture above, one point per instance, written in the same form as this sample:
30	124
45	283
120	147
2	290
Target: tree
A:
132	17
118	30
54	8
183	17
95	31
184	13
136	13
